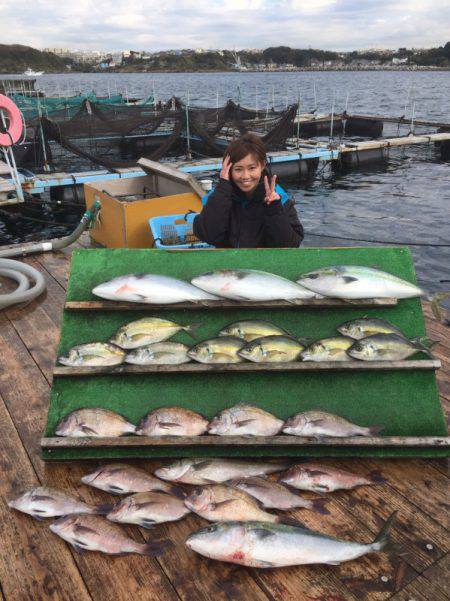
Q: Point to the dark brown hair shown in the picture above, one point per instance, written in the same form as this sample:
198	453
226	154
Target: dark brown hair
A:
247	144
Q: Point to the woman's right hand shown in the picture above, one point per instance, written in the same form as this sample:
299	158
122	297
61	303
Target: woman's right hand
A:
226	168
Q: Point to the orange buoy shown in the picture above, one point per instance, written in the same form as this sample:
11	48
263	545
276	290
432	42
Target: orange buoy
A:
15	123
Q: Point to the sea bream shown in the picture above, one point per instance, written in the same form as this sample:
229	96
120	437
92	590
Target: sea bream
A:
367	326
251	329
328	349
147	331
94	422
93	533
250	285
386	347
265	545
223	349
320	478
45	502
172	421
245	420
122	479
219	502
320	423
150	288
357	282
272	349
93	354
148	508
211	471
159	353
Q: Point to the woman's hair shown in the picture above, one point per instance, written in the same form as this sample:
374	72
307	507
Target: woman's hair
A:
247	144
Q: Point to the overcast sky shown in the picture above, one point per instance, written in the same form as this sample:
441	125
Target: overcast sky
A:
158	25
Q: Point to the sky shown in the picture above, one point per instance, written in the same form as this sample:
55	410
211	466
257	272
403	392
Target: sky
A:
157	25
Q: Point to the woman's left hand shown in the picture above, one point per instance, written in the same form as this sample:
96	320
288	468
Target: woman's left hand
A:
271	195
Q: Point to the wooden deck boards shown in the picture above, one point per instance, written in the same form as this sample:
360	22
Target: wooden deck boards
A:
35	564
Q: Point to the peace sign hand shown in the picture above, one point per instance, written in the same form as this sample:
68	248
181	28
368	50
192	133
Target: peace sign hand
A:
226	168
271	195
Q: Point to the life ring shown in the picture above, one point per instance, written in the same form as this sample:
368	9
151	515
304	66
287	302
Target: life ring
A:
14	116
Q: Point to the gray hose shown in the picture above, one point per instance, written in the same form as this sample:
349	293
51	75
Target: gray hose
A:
30	281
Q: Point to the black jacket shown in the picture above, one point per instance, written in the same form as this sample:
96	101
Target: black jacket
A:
231	220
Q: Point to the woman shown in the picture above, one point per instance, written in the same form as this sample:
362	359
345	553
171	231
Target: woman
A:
246	209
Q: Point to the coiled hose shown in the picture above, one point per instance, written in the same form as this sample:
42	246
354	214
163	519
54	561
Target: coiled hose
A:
30	281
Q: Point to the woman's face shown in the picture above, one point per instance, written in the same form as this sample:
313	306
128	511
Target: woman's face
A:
246	173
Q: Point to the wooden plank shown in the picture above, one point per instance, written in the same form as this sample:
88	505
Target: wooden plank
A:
62	442
249	367
394	142
403	120
432	585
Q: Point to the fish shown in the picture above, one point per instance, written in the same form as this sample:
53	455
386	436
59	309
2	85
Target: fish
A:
357	282
93	533
323	479
386	347
219	502
272	349
367	326
246	420
148	508
265	545
328	349
250	330
250	285
273	495
215	471
159	353
45	502
147	331
320	423
223	349
122	479
94	422
93	354
172	421
150	288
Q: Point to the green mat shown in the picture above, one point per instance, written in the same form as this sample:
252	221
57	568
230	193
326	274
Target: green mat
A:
406	403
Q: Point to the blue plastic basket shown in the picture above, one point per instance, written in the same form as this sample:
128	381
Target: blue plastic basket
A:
175	231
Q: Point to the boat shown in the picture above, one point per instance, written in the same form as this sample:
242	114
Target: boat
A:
30	73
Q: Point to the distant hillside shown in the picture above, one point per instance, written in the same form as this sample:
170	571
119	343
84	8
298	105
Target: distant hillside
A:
16	58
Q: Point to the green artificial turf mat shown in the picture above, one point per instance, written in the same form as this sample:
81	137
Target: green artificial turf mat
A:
406	403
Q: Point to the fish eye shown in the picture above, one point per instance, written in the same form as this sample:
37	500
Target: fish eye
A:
312	276
358	347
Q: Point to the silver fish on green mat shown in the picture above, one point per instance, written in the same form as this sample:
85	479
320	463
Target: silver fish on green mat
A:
263	545
122	479
328	349
159	353
323	479
45	502
172	421
250	285
93	533
245	420
321	423
386	347
150	288
223	349
94	422
218	502
367	326
147	331
272	349
357	282
211	471
273	495
93	354
148	508
250	330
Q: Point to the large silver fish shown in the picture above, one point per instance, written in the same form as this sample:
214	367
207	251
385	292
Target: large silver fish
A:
367	326
93	533
172	421
223	349
94	422
251	329
386	347
272	349
150	288
264	545
147	331
320	423
245	420
323	479
250	285
93	354
328	349
211	471
159	353
148	508
122	479
357	282
45	502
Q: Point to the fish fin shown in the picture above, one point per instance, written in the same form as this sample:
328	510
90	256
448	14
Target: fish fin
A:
262	533
103	509
191	329
348	279
315	472
145	523
377	477
41	498
244	422
321	489
332	563
84	529
156	548
147	504
274	353
375	430
199	466
38	518
167	425
419	345
214	506
335	351
116	490
209	480
266	564
220	355
88	430
79	549
319	421
318	505
383	539
292	522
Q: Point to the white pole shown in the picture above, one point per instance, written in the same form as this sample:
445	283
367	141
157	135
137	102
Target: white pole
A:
412	117
315	96
332	116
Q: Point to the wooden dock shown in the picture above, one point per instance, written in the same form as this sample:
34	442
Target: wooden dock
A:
36	565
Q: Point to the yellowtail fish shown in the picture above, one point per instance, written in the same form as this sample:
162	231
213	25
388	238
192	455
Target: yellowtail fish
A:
250	330
272	349
323	479
147	331
386	347
223	349
367	326
159	353
265	545
172	421
148	508
45	502
320	423
94	422
93	354
122	479
245	420
328	349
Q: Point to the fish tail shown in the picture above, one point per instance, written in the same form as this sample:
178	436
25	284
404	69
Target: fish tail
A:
382	541
191	330
377	477
375	430
155	548
103	509
420	346
318	505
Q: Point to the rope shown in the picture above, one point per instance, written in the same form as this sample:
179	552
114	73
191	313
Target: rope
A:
388	242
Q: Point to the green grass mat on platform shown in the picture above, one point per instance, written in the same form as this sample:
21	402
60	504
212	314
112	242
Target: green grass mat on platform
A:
406	403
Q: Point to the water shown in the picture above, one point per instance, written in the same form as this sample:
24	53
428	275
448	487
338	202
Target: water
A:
405	199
